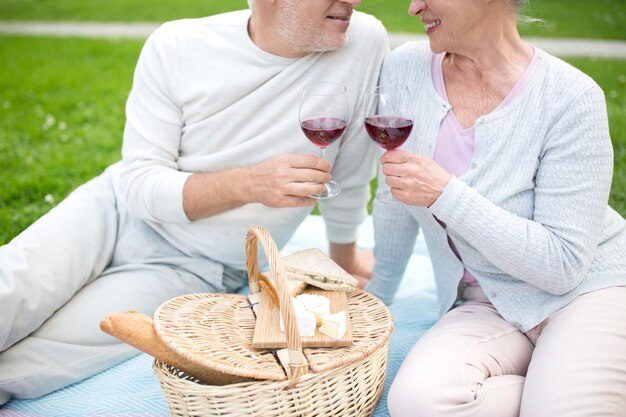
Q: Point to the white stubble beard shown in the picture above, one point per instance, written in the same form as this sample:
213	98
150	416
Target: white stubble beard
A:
302	35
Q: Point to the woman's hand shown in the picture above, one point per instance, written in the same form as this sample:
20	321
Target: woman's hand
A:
414	179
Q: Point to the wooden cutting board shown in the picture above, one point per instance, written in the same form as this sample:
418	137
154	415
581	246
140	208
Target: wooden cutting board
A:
267	334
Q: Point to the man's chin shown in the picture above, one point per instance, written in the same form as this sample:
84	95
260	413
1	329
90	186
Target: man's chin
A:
328	45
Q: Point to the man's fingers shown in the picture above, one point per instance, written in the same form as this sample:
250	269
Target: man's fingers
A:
310	161
302	189
311	175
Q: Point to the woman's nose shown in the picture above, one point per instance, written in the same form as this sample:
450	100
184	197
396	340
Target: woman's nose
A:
416	7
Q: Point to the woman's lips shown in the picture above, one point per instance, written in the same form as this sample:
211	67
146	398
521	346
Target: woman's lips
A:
431	25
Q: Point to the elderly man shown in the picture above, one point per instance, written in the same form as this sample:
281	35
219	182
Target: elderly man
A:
212	144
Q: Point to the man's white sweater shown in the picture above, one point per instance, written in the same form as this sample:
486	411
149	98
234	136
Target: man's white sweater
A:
205	98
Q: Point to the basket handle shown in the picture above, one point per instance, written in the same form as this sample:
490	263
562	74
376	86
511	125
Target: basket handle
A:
297	363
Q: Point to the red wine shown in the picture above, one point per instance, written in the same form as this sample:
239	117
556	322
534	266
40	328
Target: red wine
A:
388	131
324	130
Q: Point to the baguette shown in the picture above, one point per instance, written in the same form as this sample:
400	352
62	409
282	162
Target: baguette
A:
137	330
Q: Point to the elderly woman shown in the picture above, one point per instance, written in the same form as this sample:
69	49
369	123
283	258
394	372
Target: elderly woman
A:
507	173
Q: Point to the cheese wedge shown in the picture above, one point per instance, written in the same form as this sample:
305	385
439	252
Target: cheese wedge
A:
334	325
316	304
305	319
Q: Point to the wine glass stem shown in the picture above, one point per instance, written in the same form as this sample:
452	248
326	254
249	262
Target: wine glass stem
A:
323	156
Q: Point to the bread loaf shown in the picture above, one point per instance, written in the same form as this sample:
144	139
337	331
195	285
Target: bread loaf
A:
137	330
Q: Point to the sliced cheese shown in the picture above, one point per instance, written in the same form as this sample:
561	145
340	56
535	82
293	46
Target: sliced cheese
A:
316	304
334	325
305	319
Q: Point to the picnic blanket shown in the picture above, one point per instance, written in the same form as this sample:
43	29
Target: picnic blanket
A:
130	389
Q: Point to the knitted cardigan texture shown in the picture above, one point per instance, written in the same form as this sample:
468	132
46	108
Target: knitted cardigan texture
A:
530	218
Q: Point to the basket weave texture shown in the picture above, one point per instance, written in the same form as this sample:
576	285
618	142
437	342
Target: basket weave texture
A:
215	331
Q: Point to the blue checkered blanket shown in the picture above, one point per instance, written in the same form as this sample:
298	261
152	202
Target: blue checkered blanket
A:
130	389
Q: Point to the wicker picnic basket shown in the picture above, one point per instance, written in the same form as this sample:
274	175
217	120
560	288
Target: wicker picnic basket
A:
215	331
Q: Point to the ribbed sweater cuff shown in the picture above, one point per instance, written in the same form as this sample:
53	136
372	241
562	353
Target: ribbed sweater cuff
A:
167	202
445	207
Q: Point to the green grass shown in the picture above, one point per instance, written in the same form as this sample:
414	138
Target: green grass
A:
62	114
605	19
61	119
116	10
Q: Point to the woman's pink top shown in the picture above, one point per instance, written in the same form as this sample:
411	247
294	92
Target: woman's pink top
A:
455	145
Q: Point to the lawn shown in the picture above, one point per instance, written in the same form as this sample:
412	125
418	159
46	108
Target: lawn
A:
62	115
562	18
61	119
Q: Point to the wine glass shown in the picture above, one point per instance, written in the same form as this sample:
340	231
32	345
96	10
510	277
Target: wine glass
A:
323	119
388	120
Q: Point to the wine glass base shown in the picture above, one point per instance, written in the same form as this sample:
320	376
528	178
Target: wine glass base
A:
386	197
332	189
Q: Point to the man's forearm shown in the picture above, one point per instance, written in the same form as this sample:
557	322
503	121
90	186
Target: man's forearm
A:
281	181
206	194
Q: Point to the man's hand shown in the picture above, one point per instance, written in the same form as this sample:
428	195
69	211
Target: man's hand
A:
364	266
357	262
288	180
280	181
414	179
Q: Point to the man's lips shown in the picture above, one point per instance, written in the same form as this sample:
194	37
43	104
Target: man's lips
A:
340	21
339	17
342	14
